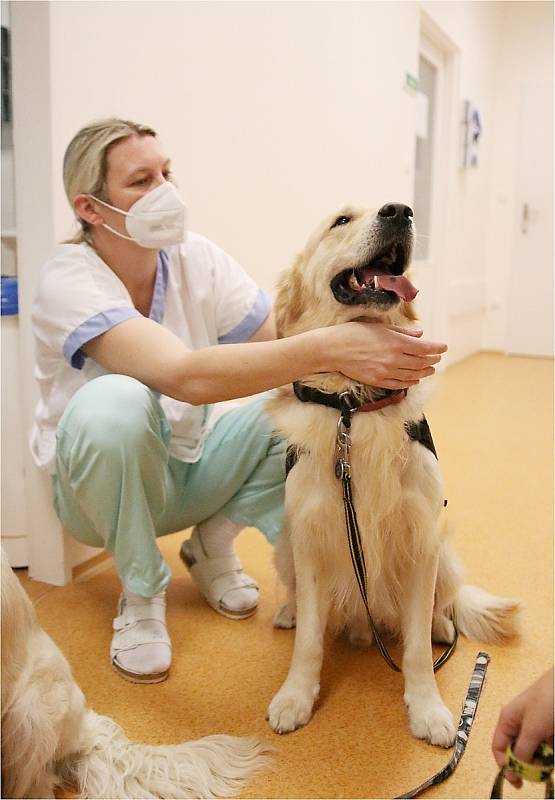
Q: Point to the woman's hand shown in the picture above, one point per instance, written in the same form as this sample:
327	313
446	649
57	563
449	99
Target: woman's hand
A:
382	355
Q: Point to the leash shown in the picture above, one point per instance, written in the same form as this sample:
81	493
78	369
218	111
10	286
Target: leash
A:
463	732
343	473
541	771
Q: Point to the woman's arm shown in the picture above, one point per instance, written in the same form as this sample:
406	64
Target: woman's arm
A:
370	353
267	331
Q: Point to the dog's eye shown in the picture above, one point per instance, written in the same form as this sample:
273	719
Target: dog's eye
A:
340	221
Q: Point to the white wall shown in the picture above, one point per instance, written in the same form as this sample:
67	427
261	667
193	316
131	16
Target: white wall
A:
275	113
299	108
525	58
504	46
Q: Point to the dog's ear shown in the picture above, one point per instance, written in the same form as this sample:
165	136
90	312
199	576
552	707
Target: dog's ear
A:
289	303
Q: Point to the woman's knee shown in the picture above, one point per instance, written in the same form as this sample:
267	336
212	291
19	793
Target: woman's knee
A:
112	409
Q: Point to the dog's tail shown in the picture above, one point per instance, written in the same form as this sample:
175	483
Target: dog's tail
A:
478	614
485	617
112	766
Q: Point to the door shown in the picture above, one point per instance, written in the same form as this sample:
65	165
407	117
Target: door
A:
530	292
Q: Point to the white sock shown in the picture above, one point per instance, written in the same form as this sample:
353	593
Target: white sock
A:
154	655
217	534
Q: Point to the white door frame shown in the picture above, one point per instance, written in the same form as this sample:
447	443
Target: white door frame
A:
52	554
439	49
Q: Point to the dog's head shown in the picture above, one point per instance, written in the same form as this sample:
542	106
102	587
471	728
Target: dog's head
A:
352	267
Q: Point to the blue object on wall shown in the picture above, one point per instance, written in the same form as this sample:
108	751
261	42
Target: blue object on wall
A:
10	305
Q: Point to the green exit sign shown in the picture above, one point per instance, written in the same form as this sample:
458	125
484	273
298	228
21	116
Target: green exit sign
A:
411	82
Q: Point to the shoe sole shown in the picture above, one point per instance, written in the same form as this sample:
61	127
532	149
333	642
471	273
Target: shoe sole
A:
189	560
134	677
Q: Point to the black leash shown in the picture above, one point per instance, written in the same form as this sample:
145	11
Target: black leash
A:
343	473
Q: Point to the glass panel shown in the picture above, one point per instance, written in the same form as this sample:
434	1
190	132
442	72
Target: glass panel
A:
424	155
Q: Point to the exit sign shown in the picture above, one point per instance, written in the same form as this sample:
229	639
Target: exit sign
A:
411	82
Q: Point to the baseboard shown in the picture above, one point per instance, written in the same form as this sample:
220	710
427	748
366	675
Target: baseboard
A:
92	566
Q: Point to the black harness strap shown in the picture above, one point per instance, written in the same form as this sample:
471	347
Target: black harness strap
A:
349	401
291	457
420	432
307	394
417	431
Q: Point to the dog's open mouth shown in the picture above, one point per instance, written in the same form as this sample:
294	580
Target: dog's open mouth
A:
379	282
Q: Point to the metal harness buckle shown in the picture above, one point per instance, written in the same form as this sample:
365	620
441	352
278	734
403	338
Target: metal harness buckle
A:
343	463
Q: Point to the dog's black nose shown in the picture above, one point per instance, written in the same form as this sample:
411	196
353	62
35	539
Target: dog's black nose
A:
396	210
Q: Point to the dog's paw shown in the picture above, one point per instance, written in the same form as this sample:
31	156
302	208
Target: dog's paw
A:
285	617
443	629
432	720
290	709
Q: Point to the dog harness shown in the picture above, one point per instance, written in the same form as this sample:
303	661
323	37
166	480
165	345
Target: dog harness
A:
417	431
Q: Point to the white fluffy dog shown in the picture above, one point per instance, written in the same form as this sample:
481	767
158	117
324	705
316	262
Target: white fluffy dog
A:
352	269
51	740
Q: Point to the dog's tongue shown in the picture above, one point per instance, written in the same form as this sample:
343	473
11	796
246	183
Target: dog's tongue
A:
398	284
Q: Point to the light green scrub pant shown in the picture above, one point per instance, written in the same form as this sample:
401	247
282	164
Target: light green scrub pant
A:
117	486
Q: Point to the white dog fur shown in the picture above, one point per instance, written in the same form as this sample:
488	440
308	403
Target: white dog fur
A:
414	578
51	740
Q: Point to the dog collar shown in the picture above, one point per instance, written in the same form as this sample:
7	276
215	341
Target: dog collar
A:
346	401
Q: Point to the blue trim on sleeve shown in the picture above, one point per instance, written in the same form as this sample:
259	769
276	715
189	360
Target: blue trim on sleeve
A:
251	323
92	327
158	305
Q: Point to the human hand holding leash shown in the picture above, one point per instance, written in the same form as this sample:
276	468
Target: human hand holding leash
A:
387	356
527	721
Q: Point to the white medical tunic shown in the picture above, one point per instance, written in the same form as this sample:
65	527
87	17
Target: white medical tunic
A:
201	294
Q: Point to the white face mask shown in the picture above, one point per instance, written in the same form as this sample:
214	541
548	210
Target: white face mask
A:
156	220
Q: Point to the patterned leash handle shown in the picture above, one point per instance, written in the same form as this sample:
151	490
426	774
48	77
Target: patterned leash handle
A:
465	726
541	771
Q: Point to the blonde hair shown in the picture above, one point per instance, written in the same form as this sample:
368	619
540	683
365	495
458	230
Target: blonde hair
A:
84	168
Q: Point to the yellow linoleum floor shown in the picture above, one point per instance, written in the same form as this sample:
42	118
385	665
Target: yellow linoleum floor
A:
492	420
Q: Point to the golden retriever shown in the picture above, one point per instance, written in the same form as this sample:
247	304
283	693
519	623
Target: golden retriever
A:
52	741
352	268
